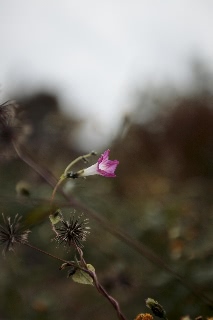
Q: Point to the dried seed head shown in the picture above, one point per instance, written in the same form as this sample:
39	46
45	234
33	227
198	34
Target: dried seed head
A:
72	232
12	232
12	130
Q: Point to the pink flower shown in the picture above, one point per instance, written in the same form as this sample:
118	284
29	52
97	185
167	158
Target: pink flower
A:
103	167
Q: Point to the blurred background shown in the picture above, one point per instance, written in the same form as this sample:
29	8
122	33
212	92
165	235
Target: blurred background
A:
135	77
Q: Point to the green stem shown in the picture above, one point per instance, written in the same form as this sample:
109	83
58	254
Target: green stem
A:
77	160
62	178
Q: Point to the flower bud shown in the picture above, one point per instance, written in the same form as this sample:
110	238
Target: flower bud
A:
156	308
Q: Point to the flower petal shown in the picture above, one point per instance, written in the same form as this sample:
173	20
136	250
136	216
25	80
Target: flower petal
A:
107	167
103	167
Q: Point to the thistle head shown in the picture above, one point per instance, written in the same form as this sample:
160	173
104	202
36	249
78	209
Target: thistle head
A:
72	232
12	232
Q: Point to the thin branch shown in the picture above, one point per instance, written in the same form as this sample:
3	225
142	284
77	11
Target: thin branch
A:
48	254
92	274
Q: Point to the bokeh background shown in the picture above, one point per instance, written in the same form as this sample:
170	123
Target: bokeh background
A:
135	77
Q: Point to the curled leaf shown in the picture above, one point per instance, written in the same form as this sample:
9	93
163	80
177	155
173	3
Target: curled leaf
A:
71	271
64	265
55	217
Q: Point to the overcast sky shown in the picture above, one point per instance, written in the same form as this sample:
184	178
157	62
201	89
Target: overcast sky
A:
95	52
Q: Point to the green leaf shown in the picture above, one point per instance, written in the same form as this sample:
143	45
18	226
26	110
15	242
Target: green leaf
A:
83	277
90	266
